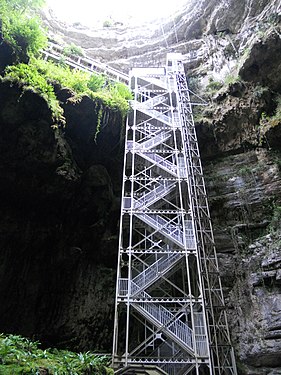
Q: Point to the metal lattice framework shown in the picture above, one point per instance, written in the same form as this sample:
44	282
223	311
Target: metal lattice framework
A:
169	302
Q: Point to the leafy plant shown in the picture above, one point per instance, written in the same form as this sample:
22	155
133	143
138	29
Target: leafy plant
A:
19	355
230	79
275	219
72	50
213	86
96	82
259	91
31	79
107	23
41	76
267	121
277	115
194	84
245	171
21	28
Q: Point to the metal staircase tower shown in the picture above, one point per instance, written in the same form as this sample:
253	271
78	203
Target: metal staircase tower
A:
169	303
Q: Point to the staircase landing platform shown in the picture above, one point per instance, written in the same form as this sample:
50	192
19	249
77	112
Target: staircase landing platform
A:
140	370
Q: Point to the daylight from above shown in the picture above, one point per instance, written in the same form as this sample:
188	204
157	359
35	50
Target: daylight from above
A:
91	13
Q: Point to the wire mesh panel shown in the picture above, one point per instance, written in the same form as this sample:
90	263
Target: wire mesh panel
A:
169	304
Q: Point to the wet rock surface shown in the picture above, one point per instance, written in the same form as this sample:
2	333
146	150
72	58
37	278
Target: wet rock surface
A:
58	212
244	197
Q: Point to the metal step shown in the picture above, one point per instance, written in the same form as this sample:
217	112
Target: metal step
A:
151	112
163	227
147	277
162	318
170	230
156	100
140	370
152	141
160	162
159	192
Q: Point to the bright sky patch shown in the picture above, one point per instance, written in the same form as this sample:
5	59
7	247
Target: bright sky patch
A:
91	12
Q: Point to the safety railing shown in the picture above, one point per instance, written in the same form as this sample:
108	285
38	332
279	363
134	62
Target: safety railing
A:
160	315
161	162
150	274
56	52
151	112
153	141
156	100
123	287
200	334
164	318
163	189
167	229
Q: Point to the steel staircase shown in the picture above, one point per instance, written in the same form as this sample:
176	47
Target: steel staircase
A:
160	162
160	313
158	192
152	273
169	230
154	101
153	141
162	318
152	113
55	52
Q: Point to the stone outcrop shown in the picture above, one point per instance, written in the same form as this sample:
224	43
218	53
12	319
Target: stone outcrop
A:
245	199
209	34
59	190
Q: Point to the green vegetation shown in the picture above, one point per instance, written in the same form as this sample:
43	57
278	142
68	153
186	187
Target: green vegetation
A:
267	121
230	79
31	79
275	219
40	76
22	30
277	114
276	157
213	86
21	27
107	23
72	49
194	84
245	171
259	91
19	355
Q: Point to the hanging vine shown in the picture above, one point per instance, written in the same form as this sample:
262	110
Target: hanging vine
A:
99	119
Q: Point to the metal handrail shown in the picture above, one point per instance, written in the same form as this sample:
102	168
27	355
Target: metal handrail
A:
170	231
151	112
161	162
165	318
154	141
155	194
55	52
151	273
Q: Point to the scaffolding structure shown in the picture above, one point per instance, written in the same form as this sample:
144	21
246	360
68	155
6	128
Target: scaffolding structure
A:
170	309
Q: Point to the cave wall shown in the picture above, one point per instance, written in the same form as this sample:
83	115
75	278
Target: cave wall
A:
60	188
209	33
244	193
60	206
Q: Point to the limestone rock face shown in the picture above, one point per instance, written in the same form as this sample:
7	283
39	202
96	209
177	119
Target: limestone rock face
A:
262	66
202	30
245	199
58	221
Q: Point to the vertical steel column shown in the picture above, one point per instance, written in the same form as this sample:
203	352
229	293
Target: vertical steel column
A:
169	304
